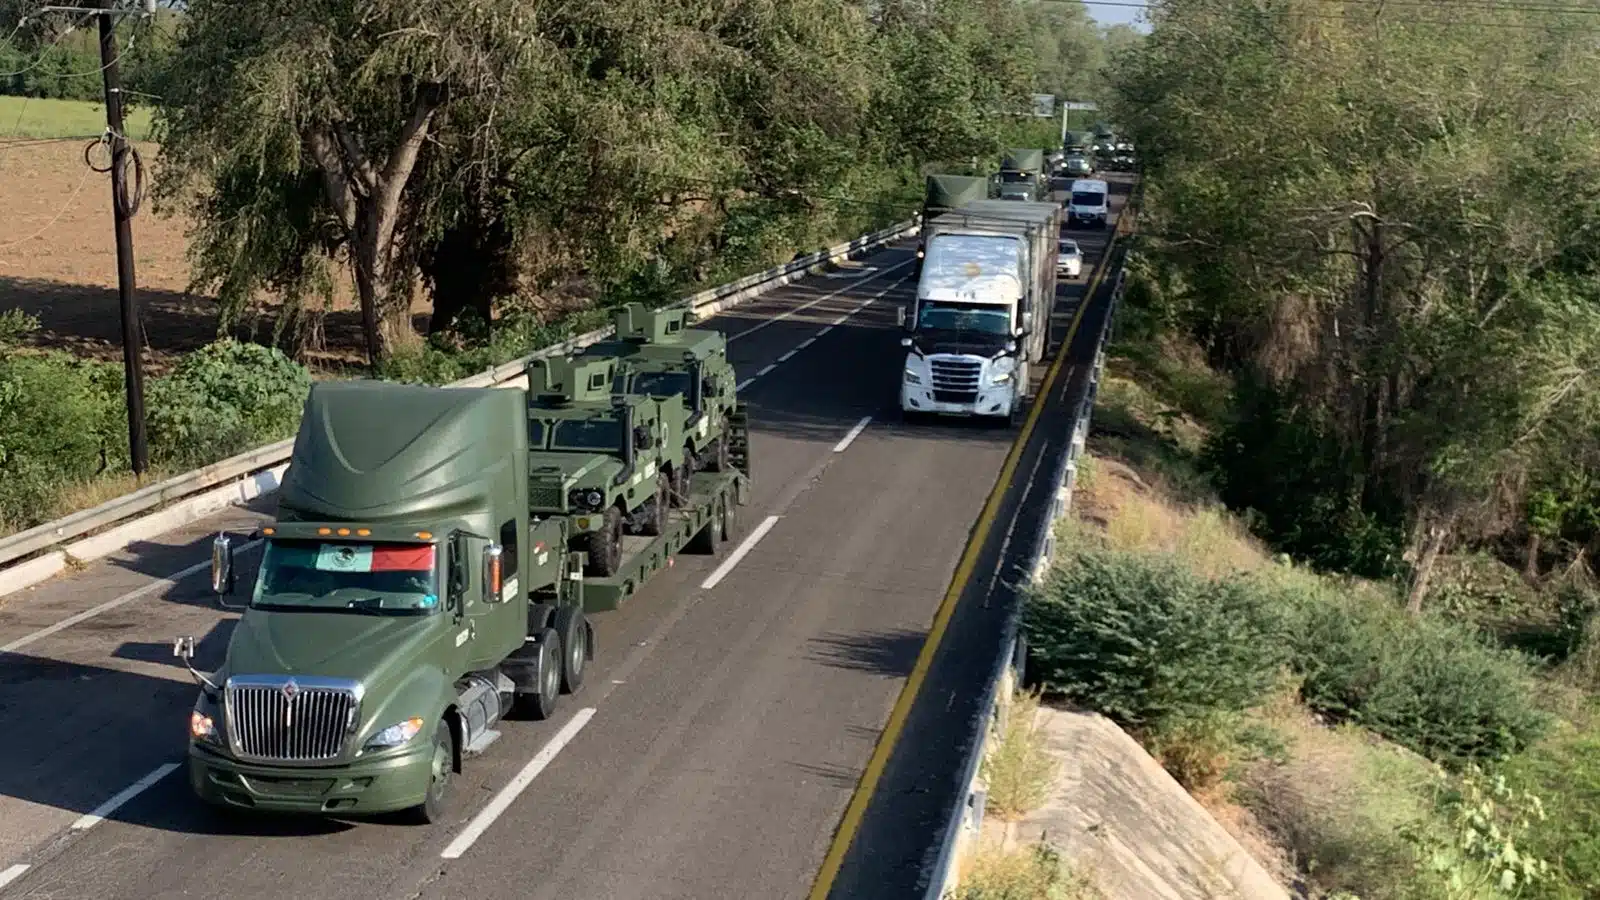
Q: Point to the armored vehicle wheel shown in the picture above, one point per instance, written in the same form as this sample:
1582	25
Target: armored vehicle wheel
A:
434	808
574	634
721	460
604	545
680	483
541	704
655	515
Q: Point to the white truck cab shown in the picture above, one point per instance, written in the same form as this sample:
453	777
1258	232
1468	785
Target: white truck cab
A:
1089	203
968	320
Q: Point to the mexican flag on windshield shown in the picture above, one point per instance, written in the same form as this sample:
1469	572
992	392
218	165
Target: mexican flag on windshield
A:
374	558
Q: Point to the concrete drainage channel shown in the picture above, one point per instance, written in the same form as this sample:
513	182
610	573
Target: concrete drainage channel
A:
41	553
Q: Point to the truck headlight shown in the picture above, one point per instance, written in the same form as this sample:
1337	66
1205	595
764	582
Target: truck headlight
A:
202	727
912	377
1000	370
396	734
586	498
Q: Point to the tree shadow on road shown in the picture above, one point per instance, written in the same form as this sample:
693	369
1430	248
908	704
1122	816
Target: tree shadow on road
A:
891	653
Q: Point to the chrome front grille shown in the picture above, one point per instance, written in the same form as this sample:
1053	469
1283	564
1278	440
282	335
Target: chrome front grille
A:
955	380
299	720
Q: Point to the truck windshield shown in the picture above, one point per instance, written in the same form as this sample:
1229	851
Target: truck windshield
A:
1088	198
1015	178
661	384
965	317
538	432
330	576
604	435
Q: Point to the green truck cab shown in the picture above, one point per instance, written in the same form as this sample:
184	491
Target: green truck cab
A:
405	603
608	464
659	356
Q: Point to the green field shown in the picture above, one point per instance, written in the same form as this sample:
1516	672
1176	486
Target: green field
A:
28	117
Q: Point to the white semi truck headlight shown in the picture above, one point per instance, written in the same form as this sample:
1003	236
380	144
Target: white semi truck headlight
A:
1001	370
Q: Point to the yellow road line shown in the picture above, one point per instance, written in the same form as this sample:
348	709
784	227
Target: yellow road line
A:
856	811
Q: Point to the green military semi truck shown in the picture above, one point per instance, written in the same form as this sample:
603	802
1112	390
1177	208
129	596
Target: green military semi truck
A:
413	592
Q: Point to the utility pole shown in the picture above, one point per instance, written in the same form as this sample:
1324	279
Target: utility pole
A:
122	215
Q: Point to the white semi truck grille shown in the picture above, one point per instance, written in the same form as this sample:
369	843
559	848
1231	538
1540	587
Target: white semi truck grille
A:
955	380
286	720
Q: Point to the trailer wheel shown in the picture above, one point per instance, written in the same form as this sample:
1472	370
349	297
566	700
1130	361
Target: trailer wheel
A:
715	531
605	545
434	805
541	704
574	634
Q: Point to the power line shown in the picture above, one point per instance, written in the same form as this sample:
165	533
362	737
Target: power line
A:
44	54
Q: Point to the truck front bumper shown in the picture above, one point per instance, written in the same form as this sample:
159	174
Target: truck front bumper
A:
995	401
384	785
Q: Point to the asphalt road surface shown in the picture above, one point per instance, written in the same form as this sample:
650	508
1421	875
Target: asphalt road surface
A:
723	728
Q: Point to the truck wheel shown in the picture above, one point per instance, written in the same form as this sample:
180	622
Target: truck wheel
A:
434	806
574	634
541	704
655	521
605	545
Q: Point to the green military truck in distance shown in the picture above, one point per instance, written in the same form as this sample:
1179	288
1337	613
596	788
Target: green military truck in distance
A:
658	355
406	603
609	463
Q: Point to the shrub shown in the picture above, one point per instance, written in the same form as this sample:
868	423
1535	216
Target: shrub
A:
1036	873
1430	685
1146	641
1019	769
61	422
224	399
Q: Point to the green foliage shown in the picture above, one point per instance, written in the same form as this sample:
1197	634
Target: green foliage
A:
1146	641
1481	849
223	399
59	423
1035	873
1565	772
1019	770
1423	682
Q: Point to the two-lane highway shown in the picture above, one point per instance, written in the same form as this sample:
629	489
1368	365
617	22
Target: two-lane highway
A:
727	718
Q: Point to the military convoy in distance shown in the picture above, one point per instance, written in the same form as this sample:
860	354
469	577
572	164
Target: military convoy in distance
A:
435	558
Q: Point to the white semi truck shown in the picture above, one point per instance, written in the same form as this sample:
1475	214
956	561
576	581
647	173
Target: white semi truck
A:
981	317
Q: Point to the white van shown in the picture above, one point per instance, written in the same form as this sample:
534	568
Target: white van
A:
1090	202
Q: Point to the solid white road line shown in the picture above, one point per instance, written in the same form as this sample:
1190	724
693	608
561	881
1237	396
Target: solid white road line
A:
743	550
508	794
852	435
131	791
805	306
152	587
12	874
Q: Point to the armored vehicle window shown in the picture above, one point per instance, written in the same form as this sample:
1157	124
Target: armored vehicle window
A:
661	384
588	434
335	576
508	550
536	433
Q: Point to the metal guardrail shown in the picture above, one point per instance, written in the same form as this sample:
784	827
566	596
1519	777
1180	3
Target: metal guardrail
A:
156	497
966	814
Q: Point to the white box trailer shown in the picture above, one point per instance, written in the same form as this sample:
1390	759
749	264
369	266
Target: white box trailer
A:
981	316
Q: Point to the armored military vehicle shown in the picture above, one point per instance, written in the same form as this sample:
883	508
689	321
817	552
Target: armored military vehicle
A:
659	356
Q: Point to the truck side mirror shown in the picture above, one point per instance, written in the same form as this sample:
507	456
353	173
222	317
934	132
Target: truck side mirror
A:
905	342
222	564
900	316
1027	321
493	576
183	648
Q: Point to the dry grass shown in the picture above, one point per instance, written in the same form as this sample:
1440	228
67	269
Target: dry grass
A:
1034	873
1019	770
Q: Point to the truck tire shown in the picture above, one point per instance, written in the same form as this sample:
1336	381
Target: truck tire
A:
655	519
574	634
541	704
435	806
605	545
